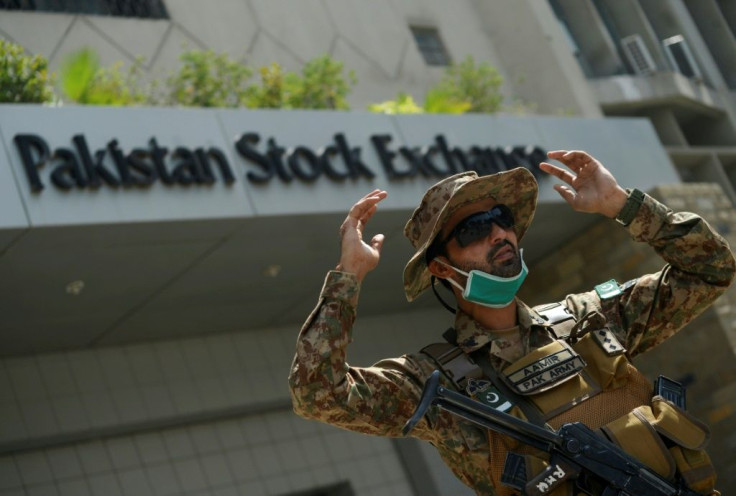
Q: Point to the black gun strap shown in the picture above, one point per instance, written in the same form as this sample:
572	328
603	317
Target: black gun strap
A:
530	410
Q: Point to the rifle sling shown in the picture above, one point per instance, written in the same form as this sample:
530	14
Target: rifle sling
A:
530	410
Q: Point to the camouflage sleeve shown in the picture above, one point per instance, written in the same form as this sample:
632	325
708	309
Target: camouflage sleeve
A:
700	267
372	400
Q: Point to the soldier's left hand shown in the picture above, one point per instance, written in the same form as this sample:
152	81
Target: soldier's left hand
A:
590	187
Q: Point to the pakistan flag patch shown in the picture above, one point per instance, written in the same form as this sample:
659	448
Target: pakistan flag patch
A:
608	289
485	392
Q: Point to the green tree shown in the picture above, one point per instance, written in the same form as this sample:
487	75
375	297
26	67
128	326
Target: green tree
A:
208	79
24	78
84	81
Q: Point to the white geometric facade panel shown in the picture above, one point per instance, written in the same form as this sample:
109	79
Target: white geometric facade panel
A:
143	41
267	49
372	84
460	28
37	33
222	26
414	70
82	35
174	44
302	27
373	29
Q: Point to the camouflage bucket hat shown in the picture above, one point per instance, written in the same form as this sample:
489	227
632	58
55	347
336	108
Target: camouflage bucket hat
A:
515	188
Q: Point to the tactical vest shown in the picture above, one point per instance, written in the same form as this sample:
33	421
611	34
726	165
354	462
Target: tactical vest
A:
583	375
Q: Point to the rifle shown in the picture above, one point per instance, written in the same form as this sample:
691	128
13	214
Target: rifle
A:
576	453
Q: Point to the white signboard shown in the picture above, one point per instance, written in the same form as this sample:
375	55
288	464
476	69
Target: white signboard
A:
91	165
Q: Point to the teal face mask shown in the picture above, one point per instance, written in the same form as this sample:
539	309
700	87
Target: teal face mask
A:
489	290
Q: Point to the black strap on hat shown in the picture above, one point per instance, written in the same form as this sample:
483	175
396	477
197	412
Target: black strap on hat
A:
434	290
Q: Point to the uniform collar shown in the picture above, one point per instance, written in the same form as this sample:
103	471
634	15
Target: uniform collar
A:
471	335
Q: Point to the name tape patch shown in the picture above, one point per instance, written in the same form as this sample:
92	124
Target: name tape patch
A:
546	371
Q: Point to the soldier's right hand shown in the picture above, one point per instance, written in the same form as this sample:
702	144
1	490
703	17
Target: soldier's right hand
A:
357	256
590	186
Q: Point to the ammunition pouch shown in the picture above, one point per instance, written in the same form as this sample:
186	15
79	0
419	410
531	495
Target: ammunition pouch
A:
668	440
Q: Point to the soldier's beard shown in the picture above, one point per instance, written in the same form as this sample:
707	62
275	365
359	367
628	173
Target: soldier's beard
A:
504	268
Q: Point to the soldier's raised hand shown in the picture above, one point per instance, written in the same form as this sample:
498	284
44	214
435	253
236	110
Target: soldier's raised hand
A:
357	256
590	187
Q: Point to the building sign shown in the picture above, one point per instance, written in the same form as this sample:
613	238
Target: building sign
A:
77	166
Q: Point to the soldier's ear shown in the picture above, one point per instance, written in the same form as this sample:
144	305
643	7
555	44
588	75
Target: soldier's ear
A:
438	269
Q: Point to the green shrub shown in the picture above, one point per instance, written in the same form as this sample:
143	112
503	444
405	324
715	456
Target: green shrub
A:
404	104
23	78
208	79
321	85
464	87
436	102
478	85
270	92
83	81
204	79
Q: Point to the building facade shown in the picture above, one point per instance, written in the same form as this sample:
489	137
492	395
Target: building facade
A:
158	262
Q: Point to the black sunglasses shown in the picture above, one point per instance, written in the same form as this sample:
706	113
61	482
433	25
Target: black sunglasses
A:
479	225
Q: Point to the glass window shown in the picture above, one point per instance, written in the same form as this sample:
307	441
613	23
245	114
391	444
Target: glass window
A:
150	9
430	44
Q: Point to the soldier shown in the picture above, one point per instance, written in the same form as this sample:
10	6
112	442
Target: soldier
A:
552	364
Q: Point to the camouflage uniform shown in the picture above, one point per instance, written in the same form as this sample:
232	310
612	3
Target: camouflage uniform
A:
379	399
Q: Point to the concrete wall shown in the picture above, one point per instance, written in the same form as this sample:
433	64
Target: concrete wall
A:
371	38
200	416
536	56
692	109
